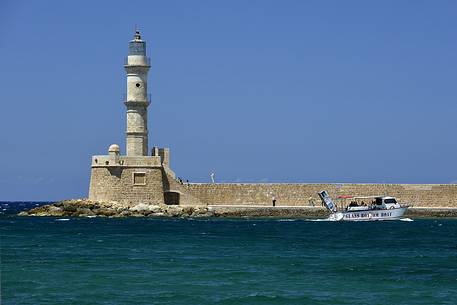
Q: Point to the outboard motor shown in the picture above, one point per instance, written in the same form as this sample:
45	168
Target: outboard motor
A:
327	201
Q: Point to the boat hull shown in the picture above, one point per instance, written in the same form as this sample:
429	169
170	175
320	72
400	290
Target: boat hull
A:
369	215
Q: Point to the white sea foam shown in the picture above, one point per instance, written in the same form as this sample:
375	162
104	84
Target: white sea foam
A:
406	219
322	219
331	217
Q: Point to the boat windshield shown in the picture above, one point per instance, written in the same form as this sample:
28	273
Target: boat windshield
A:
390	200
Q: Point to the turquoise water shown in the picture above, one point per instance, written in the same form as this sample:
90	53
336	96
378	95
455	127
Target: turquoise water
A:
227	261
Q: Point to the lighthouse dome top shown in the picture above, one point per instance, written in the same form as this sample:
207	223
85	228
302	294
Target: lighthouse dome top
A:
114	148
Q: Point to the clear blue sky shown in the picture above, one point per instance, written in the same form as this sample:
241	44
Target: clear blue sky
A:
271	91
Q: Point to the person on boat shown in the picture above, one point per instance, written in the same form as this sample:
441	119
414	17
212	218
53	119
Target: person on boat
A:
353	204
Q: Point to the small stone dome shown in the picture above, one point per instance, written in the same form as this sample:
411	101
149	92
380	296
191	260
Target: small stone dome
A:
114	148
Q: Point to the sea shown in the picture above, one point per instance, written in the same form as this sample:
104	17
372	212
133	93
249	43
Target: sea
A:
49	260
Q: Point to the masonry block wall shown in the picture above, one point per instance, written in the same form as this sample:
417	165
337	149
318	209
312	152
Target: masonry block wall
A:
186	197
420	195
153	184
118	184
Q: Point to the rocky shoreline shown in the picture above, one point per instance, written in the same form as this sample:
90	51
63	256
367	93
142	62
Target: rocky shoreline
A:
87	208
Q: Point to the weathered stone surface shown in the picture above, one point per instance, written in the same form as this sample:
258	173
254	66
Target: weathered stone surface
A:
301	194
431	212
48	210
84	208
116	184
145	208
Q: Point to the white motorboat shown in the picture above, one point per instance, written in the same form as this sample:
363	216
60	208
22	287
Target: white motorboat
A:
379	208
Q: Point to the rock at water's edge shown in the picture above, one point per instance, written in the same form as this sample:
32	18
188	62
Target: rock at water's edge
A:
85	208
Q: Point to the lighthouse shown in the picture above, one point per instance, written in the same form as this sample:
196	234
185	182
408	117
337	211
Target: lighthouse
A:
137	100
137	176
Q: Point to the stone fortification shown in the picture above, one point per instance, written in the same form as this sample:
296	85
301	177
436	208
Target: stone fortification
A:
290	194
116	184
159	186
125	179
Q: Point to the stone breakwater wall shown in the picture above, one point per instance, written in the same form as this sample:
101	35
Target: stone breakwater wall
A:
291	194
156	184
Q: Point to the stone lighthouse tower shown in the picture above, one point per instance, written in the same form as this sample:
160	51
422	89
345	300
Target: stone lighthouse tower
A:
137	177
137	99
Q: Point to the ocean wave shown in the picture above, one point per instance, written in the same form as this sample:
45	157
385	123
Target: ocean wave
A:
331	219
406	219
